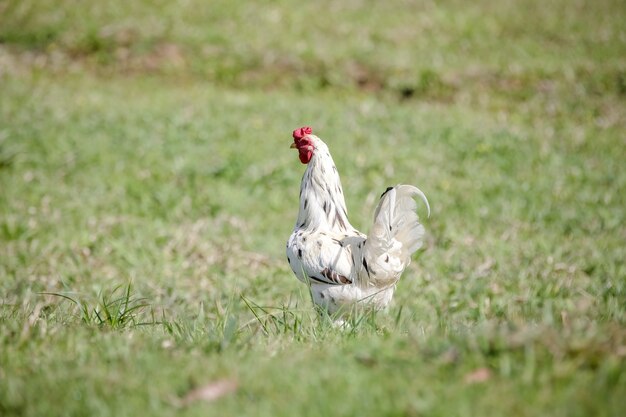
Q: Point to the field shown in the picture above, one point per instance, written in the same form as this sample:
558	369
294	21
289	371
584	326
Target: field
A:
147	190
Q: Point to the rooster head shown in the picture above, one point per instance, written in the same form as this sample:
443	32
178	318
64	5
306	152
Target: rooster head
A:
303	141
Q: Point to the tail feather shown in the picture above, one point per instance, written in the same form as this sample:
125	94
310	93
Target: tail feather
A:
395	235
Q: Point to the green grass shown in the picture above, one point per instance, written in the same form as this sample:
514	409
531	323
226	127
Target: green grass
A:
147	190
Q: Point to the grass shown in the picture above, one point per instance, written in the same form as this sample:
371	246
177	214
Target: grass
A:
147	191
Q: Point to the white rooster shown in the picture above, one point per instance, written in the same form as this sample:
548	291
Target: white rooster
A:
342	266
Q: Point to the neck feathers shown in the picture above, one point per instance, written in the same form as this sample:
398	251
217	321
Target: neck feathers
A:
322	205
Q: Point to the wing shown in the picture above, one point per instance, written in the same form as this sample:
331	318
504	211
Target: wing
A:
321	258
395	235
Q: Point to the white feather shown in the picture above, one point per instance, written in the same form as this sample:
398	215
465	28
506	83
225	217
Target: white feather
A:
342	266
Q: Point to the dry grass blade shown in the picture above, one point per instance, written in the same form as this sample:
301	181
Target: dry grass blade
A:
209	392
477	376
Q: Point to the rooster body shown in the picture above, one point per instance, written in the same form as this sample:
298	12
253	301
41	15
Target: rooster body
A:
342	266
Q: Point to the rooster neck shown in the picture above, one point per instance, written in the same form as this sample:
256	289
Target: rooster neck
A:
322	205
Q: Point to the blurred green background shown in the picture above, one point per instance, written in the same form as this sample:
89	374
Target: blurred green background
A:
147	190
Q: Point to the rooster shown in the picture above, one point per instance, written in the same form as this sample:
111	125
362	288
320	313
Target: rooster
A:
342	266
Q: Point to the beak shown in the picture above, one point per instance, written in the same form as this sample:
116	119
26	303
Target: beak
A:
293	145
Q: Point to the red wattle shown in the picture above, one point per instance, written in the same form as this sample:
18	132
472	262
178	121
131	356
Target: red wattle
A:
305	155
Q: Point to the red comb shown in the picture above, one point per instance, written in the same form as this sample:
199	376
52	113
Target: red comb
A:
302	132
